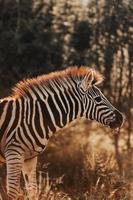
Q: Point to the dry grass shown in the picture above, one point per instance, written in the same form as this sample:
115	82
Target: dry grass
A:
80	164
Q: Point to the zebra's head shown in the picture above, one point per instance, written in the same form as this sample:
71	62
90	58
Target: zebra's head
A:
96	105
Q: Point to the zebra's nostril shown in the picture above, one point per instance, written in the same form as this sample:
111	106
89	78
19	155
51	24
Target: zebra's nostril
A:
114	115
118	120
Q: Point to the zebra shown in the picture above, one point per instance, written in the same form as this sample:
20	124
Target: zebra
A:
39	107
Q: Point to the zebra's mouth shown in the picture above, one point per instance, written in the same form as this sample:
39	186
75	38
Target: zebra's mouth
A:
118	121
114	125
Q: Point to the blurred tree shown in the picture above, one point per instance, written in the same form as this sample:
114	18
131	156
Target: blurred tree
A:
81	36
66	13
28	44
80	41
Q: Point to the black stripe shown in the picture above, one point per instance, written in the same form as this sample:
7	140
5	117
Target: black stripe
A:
64	113
16	118
88	110
75	112
94	111
37	121
7	119
27	111
70	105
91	111
2	105
47	119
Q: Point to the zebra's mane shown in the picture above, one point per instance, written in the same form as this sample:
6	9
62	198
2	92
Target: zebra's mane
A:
75	73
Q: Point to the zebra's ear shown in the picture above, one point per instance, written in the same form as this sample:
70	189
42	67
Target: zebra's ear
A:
87	81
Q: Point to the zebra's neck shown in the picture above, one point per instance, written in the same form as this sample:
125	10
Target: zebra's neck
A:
57	105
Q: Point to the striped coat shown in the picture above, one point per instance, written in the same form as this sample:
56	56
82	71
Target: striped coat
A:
39	107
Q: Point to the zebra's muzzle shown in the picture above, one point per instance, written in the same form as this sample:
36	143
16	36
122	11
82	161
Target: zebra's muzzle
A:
118	120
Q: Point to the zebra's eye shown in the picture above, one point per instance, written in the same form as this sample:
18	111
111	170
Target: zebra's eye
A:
98	99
